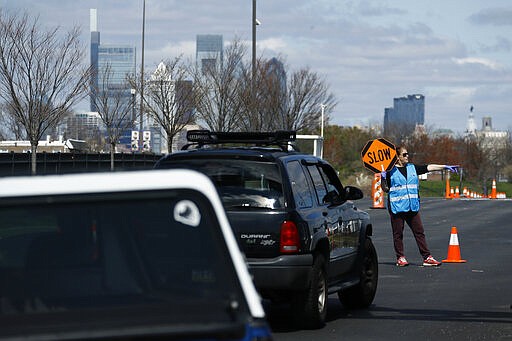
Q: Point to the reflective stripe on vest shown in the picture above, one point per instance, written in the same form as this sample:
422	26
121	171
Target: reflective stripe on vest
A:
409	186
403	195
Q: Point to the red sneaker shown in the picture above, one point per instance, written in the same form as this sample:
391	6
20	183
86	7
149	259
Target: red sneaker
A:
401	261
430	261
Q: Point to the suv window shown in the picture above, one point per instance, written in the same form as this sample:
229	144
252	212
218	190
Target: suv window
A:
326	187
319	184
242	183
161	251
299	183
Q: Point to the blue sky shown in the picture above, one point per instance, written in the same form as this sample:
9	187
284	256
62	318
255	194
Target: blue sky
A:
455	52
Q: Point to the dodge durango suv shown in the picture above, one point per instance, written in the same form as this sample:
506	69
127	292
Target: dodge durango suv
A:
302	235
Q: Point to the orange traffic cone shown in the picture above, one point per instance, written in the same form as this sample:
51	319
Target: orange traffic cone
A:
457	192
447	190
377	192
493	190
454	249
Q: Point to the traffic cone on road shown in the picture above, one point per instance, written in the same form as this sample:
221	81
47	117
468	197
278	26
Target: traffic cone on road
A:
454	249
447	189
457	192
493	190
377	192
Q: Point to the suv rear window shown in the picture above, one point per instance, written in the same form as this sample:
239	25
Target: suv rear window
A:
161	257
241	183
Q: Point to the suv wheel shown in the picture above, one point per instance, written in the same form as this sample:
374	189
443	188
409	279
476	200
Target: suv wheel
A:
311	305
362	294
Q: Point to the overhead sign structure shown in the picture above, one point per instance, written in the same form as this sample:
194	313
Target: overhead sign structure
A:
379	155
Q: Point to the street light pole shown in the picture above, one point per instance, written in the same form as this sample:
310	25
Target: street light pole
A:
322	123
254	23
133	92
322	106
142	73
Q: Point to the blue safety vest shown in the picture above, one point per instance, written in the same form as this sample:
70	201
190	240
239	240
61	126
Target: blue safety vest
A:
403	194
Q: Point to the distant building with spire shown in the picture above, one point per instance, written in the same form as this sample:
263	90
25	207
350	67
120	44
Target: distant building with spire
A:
471	126
489	138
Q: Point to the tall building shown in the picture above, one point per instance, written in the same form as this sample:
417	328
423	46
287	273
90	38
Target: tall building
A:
275	68
494	142
95	43
471	125
406	113
209	50
121	59
83	126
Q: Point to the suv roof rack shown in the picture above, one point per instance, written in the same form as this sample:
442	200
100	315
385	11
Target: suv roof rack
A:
280	138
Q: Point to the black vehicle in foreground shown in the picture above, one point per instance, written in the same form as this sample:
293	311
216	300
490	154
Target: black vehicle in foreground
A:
145	255
302	235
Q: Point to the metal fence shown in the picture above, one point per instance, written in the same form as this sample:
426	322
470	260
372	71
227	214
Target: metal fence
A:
17	164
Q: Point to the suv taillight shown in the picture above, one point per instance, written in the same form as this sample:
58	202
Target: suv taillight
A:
289	242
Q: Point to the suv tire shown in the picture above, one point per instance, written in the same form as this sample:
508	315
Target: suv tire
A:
311	305
362	295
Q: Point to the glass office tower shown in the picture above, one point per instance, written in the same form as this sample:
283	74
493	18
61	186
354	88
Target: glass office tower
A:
209	50
406	113
95	43
120	57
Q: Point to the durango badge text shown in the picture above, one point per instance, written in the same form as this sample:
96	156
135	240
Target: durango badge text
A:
254	236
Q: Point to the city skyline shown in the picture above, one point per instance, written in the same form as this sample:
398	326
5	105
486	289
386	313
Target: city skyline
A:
457	53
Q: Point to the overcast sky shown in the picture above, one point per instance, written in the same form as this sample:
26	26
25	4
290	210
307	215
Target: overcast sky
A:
458	53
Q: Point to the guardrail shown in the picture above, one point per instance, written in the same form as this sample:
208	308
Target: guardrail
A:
16	164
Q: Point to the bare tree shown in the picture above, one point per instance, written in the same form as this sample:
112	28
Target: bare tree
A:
114	104
218	87
399	132
262	97
230	98
41	74
169	98
10	128
277	100
306	92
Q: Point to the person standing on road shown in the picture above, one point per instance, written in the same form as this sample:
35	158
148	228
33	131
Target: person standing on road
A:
402	185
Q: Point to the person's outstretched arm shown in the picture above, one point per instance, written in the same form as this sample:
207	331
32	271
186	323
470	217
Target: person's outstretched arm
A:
434	167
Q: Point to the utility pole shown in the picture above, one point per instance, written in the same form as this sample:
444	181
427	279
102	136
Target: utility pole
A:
322	106
142	76
254	23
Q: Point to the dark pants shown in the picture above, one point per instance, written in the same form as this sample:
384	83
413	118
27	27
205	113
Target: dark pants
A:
412	219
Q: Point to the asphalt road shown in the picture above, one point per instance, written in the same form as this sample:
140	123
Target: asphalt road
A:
466	301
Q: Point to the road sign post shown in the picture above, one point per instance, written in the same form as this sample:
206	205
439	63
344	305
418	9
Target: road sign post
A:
379	155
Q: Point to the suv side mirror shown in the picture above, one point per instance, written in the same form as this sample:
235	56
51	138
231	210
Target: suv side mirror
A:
353	193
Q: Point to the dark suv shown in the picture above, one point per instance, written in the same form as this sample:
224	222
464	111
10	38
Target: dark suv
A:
302	236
